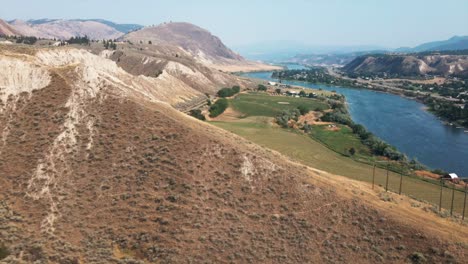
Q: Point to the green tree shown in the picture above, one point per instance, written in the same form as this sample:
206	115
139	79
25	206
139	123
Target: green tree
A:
303	109
352	151
218	107
278	90
261	87
197	114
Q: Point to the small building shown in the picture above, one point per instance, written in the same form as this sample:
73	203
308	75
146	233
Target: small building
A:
272	83
293	93
451	177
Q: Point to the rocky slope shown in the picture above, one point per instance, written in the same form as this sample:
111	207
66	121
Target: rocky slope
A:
97	167
65	29
198	42
410	65
6	29
159	60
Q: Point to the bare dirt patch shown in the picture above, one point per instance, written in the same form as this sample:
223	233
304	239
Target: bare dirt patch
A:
427	174
312	118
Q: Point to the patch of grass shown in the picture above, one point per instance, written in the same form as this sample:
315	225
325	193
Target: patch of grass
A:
256	104
341	140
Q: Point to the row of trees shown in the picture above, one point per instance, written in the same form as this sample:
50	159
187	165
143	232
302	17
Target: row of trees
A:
26	40
448	110
79	40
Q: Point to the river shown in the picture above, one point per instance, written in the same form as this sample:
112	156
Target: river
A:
402	123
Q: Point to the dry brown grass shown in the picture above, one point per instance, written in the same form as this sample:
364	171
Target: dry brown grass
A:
159	186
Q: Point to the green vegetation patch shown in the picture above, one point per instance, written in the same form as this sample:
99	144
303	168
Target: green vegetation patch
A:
340	139
257	104
197	114
219	107
228	92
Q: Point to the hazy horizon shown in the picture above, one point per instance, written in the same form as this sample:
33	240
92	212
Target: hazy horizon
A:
385	24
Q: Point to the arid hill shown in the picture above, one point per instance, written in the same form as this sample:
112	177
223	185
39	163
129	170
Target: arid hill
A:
198	42
65	29
410	65
97	167
6	29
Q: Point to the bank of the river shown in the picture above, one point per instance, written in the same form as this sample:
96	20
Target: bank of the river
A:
402	123
433	101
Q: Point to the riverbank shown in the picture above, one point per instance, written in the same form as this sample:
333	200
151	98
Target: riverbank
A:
327	76
401	122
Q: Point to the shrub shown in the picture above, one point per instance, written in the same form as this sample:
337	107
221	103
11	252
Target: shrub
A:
4	252
303	109
197	114
218	108
261	87
417	257
283	118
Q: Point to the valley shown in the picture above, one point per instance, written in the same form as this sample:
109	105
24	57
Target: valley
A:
123	143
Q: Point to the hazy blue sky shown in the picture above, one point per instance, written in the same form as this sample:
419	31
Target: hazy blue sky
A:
388	23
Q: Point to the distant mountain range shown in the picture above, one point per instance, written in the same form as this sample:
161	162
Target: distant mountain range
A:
454	43
448	47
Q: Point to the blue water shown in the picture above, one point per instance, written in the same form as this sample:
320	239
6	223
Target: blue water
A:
402	123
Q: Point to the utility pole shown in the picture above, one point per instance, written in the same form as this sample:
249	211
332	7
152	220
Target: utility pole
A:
373	177
453	196
386	184
440	200
401	182
464	204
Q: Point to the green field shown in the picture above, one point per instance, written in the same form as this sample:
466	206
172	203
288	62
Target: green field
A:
321	150
259	104
340	141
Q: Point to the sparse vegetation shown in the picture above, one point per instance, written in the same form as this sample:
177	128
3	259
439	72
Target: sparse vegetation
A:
109	44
